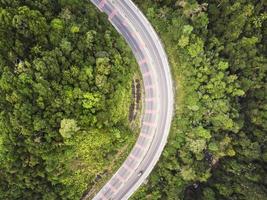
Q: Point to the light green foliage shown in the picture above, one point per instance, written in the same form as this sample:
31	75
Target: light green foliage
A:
188	174
68	127
57	24
102	71
86	158
91	100
119	104
90	35
74	29
5	17
183	41
65	46
196	47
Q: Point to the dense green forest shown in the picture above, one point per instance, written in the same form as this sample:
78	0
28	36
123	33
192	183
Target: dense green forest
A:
218	144
65	96
65	93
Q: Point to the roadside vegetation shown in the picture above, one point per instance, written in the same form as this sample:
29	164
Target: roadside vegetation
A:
217	148
67	109
65	94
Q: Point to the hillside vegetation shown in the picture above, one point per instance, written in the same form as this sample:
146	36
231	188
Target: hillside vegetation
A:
217	149
65	92
65	96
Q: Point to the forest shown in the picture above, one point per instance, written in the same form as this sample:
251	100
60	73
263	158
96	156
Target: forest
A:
217	148
65	99
65	93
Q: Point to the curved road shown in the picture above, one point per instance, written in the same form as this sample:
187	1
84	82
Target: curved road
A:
158	101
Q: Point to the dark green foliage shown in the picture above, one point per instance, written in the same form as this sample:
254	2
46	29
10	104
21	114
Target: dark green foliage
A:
63	73
217	147
64	96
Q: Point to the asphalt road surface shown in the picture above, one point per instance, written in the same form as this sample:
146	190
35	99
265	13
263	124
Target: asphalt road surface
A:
158	100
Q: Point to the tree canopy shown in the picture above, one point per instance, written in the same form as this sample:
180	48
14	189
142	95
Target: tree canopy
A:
63	73
217	146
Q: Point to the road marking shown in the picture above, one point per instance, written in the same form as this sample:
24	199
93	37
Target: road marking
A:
141	151
146	135
112	14
131	161
128	168
151	111
108	191
142	44
135	157
102	196
149	124
125	23
142	141
121	179
146	74
141	62
150	99
134	34
114	190
149	87
117	181
132	157
102	4
139	146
